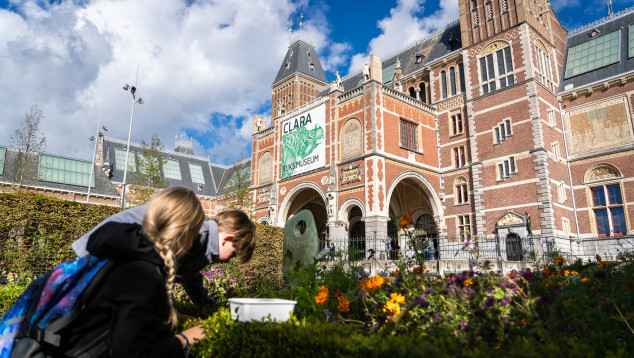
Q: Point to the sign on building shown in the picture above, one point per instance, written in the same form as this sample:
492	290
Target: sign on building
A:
303	147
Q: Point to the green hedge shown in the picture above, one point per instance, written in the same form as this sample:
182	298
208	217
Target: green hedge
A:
36	231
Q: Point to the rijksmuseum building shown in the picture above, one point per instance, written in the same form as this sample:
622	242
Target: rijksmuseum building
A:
503	124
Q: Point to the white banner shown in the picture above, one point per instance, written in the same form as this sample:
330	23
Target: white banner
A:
303	143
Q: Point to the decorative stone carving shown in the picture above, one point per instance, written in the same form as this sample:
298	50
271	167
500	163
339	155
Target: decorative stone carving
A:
351	139
366	72
602	125
258	123
338	81
266	168
283	191
351	173
264	196
511	218
601	172
493	46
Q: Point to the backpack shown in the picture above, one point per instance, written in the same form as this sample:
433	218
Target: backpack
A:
33	326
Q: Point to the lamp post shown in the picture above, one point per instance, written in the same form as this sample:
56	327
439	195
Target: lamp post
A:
127	153
94	152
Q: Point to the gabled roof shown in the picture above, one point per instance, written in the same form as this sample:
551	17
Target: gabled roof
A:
211	173
299	57
601	27
430	49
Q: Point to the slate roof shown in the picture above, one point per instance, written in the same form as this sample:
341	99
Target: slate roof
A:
103	186
605	26
432	48
301	53
210	171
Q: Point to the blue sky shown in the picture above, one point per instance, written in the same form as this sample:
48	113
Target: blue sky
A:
204	67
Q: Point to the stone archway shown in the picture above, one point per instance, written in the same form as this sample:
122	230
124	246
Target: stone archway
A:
412	193
307	196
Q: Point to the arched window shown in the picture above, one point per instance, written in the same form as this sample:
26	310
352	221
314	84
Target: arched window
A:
412	92
443	79
423	92
452	81
461	191
607	200
544	73
496	67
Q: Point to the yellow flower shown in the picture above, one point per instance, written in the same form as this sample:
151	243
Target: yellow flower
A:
322	296
584	279
397	298
372	284
468	282
603	264
344	305
396	273
575	273
559	260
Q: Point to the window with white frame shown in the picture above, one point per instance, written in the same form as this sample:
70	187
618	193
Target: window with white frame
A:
607	204
65	171
459	156
565	226
502	131
457	126
504	5
119	157
496	70
463	227
561	193
461	191
556	155
172	170
551	117
630	51
196	172
598	52
544	72
506	168
408	135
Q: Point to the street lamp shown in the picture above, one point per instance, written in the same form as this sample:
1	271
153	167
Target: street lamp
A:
94	152
127	153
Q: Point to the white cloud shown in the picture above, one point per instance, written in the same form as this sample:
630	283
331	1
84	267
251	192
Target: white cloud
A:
194	61
404	25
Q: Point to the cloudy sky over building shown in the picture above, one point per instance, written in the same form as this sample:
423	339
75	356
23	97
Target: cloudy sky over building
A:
204	68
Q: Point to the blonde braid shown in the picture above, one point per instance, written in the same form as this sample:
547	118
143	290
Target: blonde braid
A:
171	222
168	258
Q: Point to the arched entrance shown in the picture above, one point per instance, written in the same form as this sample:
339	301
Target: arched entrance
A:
307	197
411	193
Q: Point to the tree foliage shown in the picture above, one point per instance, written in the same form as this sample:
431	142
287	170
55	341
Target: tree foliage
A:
28	140
150	177
238	186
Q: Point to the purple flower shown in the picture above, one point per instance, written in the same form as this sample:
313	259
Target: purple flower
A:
464	247
464	325
489	302
428	291
505	301
371	251
528	274
436	317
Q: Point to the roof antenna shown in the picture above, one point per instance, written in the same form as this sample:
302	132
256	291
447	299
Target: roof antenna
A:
610	10
301	17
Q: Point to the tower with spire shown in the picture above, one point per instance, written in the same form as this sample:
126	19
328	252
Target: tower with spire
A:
300	77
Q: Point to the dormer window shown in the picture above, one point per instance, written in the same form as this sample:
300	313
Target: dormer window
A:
287	64
311	66
419	58
594	33
308	53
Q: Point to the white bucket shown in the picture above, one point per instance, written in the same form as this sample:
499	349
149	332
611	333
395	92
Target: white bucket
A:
257	309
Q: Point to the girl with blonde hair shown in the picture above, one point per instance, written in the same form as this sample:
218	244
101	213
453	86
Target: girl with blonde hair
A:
133	312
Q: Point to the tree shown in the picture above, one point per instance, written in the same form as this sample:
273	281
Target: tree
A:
150	177
28	141
238	188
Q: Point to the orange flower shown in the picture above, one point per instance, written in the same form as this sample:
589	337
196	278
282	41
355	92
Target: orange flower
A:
603	264
418	270
468	282
396	273
585	279
337	292
559	260
397	298
344	305
372	284
322	296
406	220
